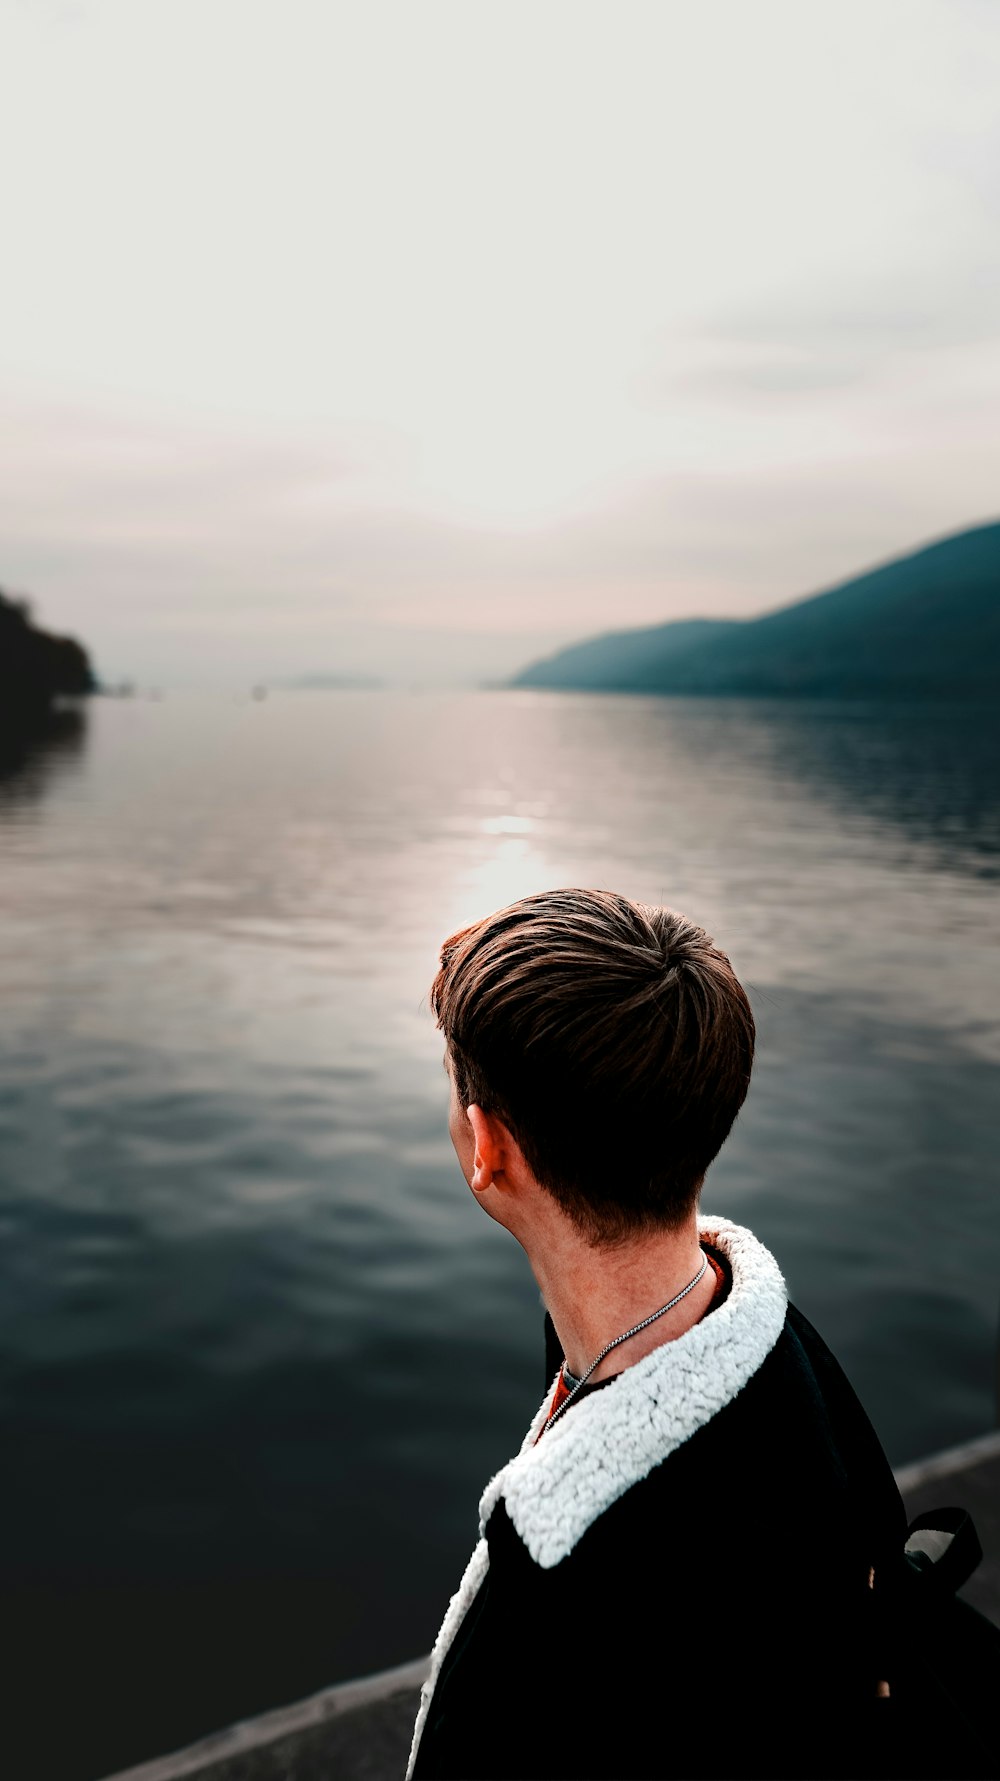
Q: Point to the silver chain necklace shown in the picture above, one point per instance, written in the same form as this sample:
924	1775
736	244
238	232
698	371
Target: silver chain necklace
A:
619	1339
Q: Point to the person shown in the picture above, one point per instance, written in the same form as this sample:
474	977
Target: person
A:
676	1575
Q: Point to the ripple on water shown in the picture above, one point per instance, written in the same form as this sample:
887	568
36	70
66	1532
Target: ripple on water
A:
261	1350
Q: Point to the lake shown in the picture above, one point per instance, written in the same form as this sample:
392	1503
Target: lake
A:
260	1351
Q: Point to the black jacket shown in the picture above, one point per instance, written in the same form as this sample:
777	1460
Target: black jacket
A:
674	1580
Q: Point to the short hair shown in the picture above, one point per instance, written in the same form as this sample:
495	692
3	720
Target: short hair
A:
613	1040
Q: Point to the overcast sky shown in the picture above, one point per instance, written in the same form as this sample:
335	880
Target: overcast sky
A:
415	339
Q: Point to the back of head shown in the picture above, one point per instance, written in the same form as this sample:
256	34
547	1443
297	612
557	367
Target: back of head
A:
613	1040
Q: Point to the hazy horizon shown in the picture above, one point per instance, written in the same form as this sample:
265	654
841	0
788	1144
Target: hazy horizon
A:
418	342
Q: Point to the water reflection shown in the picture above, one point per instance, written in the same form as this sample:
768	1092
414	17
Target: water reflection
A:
31	758
930	771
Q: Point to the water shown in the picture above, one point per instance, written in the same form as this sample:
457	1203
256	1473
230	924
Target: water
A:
260	1350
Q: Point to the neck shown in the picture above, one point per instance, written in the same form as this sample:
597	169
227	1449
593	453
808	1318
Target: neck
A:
595	1294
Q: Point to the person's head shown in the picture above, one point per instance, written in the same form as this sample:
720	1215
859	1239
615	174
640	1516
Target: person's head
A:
612	1041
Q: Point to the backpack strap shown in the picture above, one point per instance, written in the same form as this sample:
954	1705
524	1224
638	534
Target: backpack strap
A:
941	1656
942	1544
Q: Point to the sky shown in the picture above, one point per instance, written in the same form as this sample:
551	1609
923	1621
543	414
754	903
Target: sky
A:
416	339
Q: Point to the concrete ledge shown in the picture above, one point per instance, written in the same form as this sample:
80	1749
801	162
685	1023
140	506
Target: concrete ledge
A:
945	1465
341	1731
360	1731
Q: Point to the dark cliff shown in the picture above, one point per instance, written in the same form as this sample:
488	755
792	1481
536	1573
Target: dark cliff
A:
36	668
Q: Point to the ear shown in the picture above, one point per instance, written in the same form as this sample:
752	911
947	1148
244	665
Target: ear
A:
489	1156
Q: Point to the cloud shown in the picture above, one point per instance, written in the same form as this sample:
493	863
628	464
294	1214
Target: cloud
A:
329	328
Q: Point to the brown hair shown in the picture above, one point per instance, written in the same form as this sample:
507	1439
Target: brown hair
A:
613	1041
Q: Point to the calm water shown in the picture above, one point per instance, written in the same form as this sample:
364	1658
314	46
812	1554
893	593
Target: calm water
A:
260	1351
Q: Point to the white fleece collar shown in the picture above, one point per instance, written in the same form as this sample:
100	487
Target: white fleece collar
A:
611	1439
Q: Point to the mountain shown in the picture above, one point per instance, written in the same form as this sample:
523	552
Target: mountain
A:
329	683
36	667
922	626
612	661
